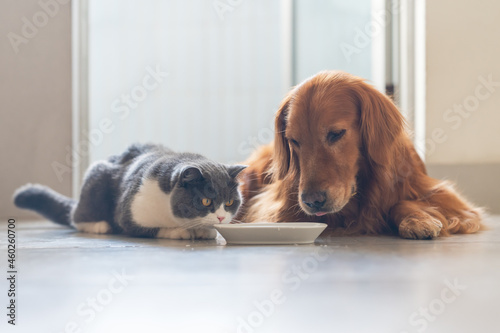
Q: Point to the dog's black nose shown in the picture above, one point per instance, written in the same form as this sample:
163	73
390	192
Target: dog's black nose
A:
314	200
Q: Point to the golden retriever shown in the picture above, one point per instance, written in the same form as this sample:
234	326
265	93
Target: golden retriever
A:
341	155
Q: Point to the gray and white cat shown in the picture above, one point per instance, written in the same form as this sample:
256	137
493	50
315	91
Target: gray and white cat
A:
148	191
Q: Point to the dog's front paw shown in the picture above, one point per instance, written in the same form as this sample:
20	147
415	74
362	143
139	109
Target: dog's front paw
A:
205	233
421	226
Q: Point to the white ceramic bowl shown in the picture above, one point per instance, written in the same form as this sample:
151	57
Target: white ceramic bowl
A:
271	233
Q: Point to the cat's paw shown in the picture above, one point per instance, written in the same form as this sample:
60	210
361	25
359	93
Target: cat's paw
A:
173	233
205	233
101	227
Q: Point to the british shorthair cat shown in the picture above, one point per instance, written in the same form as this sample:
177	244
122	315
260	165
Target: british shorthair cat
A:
148	191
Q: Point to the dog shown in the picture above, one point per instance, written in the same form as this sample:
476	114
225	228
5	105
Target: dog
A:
342	156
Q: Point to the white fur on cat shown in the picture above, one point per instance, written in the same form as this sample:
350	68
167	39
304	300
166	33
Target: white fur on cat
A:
101	227
151	207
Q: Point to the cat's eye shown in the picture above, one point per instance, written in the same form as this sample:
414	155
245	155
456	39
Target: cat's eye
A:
334	136
206	202
229	203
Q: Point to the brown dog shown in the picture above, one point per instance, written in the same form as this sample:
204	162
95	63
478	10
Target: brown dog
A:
341	155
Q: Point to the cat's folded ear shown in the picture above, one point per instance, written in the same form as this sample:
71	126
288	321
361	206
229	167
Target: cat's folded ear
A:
234	170
190	174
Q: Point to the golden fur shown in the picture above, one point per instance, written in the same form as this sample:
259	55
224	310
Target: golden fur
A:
370	176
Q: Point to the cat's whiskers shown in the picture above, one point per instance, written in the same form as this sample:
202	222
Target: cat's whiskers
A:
199	222
195	226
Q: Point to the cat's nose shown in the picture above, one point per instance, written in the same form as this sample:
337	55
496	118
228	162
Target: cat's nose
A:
221	218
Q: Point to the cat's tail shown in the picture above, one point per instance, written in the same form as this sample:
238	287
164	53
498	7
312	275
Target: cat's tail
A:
46	202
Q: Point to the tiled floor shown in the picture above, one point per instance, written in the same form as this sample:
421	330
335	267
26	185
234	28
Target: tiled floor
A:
68	282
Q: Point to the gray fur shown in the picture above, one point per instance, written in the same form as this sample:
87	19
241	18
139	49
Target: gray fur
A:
109	188
46	201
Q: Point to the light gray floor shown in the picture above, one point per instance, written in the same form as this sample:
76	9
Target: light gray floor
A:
361	284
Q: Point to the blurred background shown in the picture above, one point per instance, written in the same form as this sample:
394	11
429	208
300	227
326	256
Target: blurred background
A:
81	80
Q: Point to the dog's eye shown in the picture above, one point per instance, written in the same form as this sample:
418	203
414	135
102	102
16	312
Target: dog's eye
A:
295	143
334	136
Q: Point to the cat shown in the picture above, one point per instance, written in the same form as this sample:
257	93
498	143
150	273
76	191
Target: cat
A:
148	191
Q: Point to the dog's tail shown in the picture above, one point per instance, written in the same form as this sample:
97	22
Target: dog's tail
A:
46	202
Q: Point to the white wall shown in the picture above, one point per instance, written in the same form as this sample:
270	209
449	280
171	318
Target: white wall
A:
223	80
35	97
463	47
329	35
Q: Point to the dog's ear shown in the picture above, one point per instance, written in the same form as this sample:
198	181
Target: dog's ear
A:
381	124
281	154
